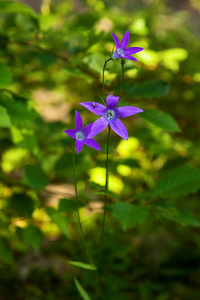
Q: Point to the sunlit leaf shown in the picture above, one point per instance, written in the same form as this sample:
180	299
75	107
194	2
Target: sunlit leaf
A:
76	41
13	158
25	138
4	118
139	27
15	7
172	57
95	62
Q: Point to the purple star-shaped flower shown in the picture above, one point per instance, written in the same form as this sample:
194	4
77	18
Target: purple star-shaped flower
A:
110	115
121	50
80	134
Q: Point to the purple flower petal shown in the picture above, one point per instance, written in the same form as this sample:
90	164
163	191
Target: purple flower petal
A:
129	57
79	145
98	126
133	50
94	107
71	133
125	40
120	129
78	121
126	111
92	143
117	43
112	101
87	128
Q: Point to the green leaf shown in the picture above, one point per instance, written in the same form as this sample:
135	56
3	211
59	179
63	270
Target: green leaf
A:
187	217
5	74
181	181
6	254
160	119
34	177
171	58
4	118
183	217
95	62
100	193
32	236
67	205
46	59
19	112
59	220
25	138
81	290
22	204
129	215
13	158
15	7
82	265
76	41
150	89
74	71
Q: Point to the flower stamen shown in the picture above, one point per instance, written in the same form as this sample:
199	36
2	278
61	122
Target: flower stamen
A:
80	135
120	52
110	114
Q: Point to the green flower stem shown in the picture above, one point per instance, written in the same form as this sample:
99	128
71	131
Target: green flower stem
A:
104	218
77	208
104	67
106	194
122	76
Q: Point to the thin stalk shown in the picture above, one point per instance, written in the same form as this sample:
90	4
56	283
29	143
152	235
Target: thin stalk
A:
104	67
77	208
104	218
106	194
122	76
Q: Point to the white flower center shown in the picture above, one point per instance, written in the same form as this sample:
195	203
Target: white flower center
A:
80	135
120	51
110	114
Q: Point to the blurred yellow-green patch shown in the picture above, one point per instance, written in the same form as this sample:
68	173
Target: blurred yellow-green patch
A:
52	55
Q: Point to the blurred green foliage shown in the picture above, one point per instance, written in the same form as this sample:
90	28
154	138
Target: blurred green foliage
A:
50	60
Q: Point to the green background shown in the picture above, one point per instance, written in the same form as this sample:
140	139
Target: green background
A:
51	59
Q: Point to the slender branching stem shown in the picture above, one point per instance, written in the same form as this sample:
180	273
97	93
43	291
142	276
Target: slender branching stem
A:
106	192
122	75
77	208
104	67
104	216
